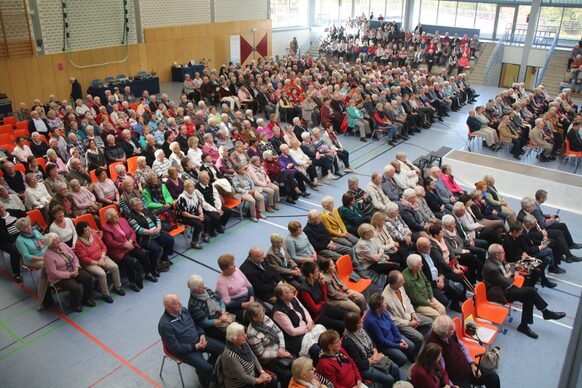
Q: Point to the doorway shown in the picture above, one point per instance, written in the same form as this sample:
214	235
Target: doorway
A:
509	75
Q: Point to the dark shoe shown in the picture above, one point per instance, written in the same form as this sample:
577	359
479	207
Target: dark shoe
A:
291	201
392	143
151	278
205	237
213	234
119	291
17	278
576	246
89	303
363	140
557	270
516	157
573	259
527	331
196	245
156	274
78	309
305	195
547	283
108	298
220	230
134	287
553	315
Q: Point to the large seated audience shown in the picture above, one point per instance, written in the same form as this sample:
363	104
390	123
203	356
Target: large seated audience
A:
101	188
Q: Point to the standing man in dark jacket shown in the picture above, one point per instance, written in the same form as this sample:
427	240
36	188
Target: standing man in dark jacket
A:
498	279
187	341
76	90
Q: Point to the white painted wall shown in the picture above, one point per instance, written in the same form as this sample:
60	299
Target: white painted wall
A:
537	57
281	39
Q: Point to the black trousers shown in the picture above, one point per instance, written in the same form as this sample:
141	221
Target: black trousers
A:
488	378
10	248
131	265
474	266
530	298
198	226
283	374
301	180
332	318
562	227
74	287
287	184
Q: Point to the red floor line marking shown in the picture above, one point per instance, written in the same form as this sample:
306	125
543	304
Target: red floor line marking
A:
88	335
120	366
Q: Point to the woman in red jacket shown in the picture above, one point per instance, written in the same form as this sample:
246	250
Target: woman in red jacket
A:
428	372
335	364
92	254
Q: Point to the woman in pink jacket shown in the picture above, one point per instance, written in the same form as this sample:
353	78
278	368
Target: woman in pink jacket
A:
260	178
92	254
449	180
122	247
63	270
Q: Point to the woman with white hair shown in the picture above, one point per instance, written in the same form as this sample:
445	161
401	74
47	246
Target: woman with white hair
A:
176	156
305	376
267	342
64	271
53	158
462	369
207	309
36	194
246	190
371	254
194	153
224	164
142	169
240	366
419	289
161	164
334	224
260	178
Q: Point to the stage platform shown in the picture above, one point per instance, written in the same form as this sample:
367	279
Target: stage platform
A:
517	180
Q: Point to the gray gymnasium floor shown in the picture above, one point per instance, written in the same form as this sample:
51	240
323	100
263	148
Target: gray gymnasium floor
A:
118	345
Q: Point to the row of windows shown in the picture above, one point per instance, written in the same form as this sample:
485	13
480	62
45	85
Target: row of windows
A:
288	13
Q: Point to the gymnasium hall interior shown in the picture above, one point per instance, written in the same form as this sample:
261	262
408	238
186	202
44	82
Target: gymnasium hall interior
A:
291	193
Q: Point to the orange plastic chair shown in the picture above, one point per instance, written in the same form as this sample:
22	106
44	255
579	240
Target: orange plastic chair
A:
20	167
233	203
22	125
93	176
472	346
41	162
88	218
112	172
485	331
102	211
131	165
37	218
345	269
518	280
9	120
30	269
21	132
6	138
484	309
178	362
43	138
6	129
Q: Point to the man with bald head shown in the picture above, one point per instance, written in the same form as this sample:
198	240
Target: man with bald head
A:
446	285
187	341
262	276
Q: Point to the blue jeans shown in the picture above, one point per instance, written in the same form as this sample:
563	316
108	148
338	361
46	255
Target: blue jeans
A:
380	378
401	356
196	359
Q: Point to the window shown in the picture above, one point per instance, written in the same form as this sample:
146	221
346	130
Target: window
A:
289	13
485	19
346	9
361	8
378	7
571	28
428	12
394	10
466	15
447	14
326	12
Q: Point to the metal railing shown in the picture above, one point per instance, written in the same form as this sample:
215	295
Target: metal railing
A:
495	60
314	36
542	71
544	36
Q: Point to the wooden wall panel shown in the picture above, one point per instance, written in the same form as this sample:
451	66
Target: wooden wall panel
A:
26	79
